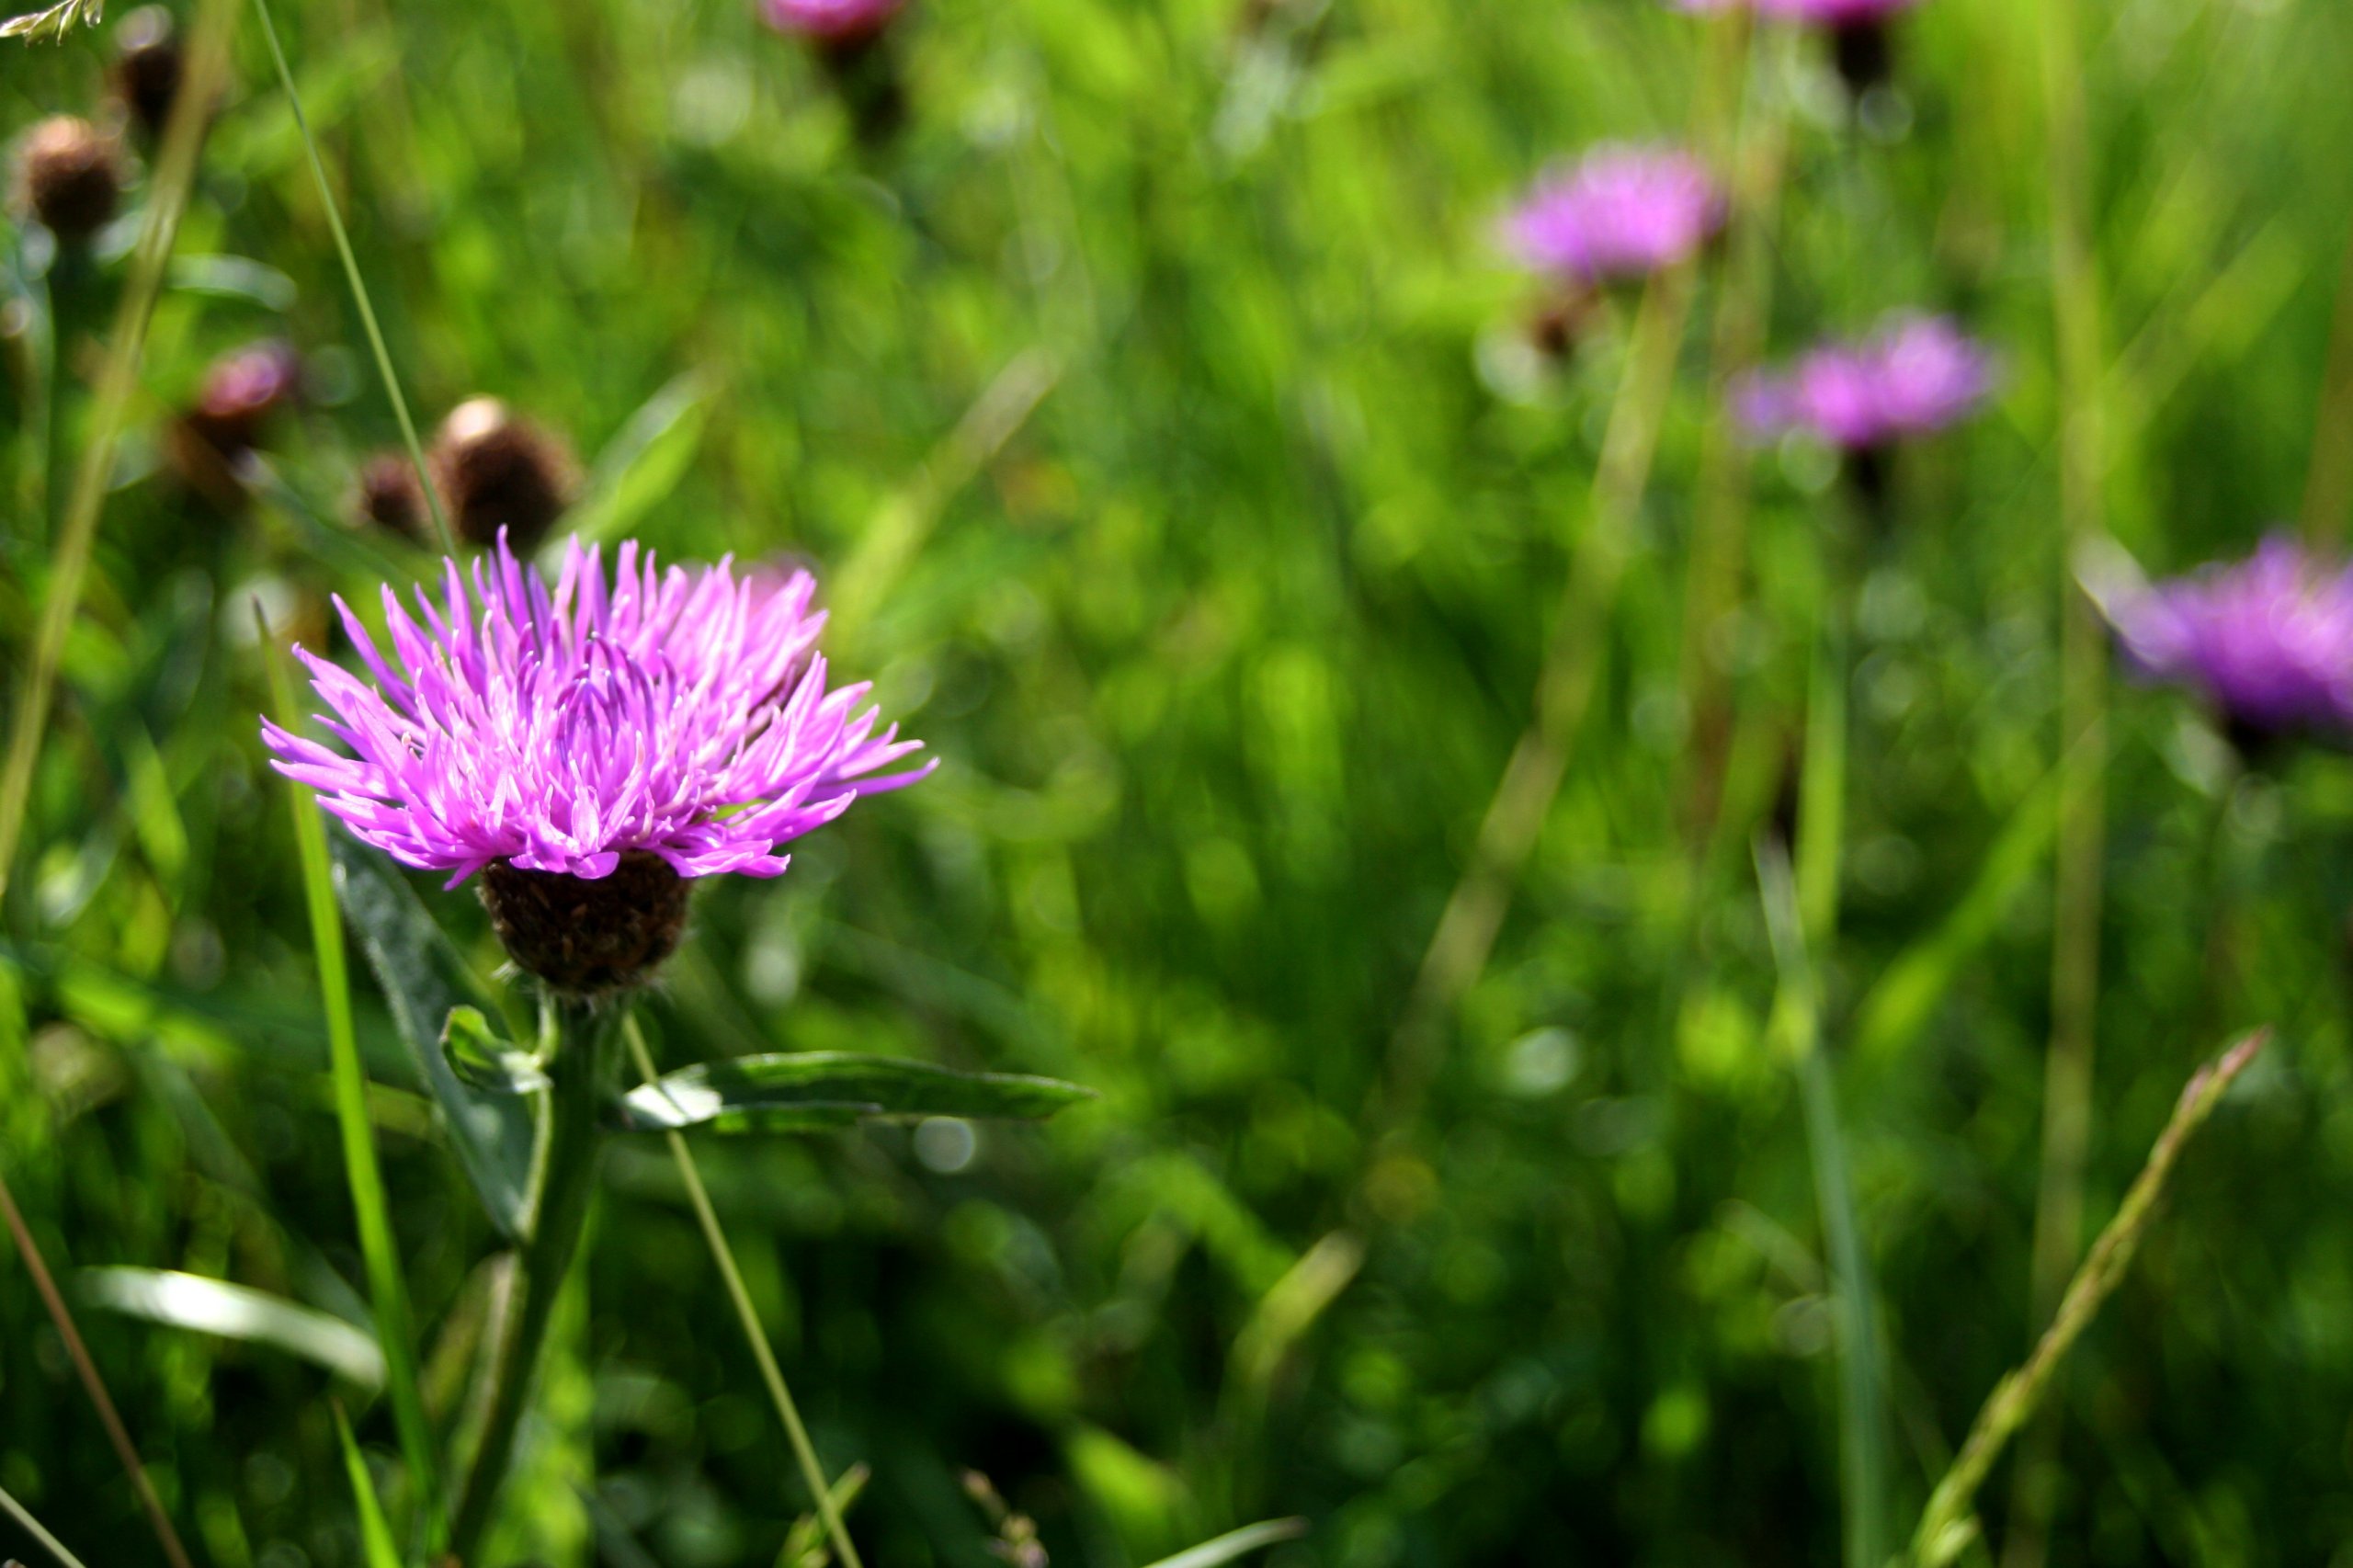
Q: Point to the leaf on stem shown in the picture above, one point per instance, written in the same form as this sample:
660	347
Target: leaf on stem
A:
813	1091
484	1059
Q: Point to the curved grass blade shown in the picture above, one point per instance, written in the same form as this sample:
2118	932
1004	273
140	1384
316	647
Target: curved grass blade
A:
820	1089
1236	1543
215	1307
387	1285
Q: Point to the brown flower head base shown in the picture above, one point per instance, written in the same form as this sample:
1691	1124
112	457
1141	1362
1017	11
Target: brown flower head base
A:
69	176
588	938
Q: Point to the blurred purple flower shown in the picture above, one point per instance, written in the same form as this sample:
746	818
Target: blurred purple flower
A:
1915	375
250	382
1619	211
831	21
2267	641
681	714
1819	13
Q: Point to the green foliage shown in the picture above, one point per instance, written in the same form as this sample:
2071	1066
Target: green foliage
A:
1165	430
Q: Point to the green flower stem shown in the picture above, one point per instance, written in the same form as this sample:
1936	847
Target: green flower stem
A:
1948	1525
812	1472
582	1080
72	291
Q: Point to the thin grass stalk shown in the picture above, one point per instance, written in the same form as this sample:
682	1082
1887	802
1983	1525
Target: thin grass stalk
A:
1465	936
358	286
32	1527
2329	483
387	1286
1801	915
2076	892
45	1284
1947	1524
804	1452
208	64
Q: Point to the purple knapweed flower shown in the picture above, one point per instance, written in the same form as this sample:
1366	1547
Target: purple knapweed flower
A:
2267	641
831	21
1620	212
250	382
1913	376
675	715
1818	13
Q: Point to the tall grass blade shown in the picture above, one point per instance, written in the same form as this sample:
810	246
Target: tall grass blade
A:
387	1286
358	285
61	1317
1862	1370
804	1452
70	562
2083	656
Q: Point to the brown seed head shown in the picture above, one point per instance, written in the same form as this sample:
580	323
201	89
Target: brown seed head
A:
588	938
495	469
147	67
389	497
69	176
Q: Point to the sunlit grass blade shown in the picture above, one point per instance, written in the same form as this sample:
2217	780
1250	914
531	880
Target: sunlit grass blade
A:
118	381
1947	1524
387	1286
33	1527
2083	656
1236	1543
375	1535
1862	1369
61	1318
804	1452
358	285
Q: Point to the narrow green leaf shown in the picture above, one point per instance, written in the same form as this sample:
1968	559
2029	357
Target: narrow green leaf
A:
640	466
478	1054
424	981
821	1089
375	1534
199	1305
1236	1543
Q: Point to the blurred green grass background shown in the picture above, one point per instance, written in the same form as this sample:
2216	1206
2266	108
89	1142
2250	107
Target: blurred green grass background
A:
1225	612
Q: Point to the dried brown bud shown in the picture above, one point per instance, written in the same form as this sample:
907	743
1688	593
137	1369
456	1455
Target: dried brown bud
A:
147	67
69	176
496	470
389	497
587	937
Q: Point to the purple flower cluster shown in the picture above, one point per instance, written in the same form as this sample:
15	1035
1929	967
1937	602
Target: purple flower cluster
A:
1916	375
681	714
2267	641
1620	212
831	21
